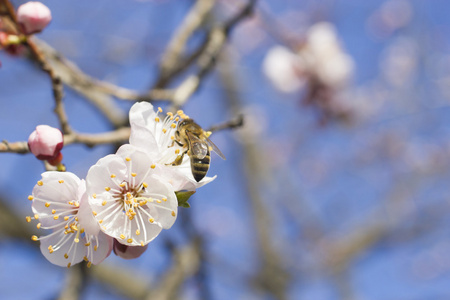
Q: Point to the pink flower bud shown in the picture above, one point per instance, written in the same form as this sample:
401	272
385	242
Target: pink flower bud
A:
46	142
33	17
128	252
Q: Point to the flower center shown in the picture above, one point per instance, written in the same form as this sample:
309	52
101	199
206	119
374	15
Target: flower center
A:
130	196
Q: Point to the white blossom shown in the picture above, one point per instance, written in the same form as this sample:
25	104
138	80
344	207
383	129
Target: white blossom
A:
321	57
60	204
324	57
130	199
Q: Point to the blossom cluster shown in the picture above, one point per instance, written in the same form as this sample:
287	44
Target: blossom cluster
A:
126	199
319	65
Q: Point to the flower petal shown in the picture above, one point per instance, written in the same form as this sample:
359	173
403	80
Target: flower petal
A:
105	174
63	246
138	162
52	194
164	206
103	250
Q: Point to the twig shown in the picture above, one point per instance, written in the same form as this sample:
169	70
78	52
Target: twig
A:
177	45
120	135
209	51
95	91
57	86
186	263
232	124
270	260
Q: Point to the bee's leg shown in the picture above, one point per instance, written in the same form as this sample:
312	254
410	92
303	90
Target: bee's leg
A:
178	143
178	159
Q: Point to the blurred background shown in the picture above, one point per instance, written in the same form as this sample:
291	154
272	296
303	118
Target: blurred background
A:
335	187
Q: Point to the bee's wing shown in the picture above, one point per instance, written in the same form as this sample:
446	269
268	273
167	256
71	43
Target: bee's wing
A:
198	147
215	148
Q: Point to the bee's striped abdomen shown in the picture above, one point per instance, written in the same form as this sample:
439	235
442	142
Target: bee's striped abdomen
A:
200	167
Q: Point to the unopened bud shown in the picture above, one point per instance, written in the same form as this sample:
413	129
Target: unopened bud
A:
46	142
33	17
128	252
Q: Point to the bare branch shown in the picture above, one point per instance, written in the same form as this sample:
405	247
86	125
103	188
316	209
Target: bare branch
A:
232	124
118	136
177	45
97	92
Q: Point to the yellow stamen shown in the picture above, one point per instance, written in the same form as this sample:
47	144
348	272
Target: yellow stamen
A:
34	238
156	119
66	218
28	218
127	159
130	241
68	265
164	199
173	213
53	211
104	202
145	185
159	109
30	197
40	183
36	216
138	232
61	181
94	196
66	256
89	264
56	217
151	220
87	245
38	226
153	166
164	130
95	248
47	204
94	212
122	236
113	175
133	174
107	188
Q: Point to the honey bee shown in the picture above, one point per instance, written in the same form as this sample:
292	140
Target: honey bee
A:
198	146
